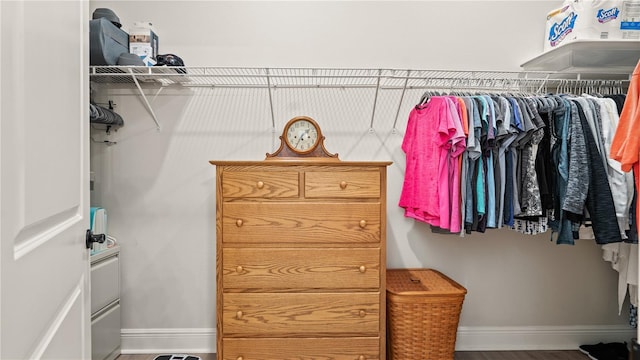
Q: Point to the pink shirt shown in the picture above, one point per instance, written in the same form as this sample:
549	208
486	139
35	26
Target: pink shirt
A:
457	145
426	143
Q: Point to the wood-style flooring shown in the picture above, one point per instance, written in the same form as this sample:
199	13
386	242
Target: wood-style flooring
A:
461	355
520	355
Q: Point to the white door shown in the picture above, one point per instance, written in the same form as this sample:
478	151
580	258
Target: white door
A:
44	265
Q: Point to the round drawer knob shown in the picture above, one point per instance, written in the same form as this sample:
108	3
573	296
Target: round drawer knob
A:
239	269
260	184
241	358
239	222
363	223
343	185
239	315
361	357
363	269
362	313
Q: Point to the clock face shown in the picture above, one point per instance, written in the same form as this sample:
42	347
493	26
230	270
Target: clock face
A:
302	136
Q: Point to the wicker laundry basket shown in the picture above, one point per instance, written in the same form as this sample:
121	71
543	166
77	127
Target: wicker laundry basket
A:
423	310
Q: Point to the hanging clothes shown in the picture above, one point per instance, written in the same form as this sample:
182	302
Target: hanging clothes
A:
597	197
623	257
559	128
619	180
530	163
625	146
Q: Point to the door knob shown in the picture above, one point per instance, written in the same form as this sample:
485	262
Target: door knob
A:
90	238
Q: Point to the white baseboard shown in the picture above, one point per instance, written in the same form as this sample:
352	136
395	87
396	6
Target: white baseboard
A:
168	341
470	338
479	338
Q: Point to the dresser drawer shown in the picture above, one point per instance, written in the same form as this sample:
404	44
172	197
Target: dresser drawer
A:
296	349
240	184
301	223
352	184
311	268
303	314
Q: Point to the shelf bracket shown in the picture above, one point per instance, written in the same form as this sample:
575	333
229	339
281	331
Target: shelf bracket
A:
144	98
375	100
404	89
273	118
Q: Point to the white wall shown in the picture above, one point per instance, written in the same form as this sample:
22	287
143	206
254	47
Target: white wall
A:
158	187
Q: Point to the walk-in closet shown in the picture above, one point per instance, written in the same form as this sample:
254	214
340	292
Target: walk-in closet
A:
178	159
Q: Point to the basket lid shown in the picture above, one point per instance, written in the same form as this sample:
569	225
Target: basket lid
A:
421	282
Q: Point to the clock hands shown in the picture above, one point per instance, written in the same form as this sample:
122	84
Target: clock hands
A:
301	138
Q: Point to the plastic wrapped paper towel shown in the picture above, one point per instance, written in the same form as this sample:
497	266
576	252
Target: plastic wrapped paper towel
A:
593	20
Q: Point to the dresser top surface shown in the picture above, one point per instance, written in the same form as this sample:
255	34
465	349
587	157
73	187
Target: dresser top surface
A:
299	162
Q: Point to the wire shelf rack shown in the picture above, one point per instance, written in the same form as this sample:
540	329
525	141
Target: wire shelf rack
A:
342	78
321	77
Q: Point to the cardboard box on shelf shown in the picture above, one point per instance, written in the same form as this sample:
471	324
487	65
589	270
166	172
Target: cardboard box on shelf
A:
143	41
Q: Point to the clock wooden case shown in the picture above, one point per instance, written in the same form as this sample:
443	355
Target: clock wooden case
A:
301	138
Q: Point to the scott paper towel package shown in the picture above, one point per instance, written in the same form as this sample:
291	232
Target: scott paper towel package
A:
593	20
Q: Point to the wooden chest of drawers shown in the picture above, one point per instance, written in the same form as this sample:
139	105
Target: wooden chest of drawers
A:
301	258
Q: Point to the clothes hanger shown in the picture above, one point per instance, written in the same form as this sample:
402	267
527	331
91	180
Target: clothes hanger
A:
426	97
423	99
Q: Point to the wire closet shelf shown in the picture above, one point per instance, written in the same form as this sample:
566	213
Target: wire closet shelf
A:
445	81
340	78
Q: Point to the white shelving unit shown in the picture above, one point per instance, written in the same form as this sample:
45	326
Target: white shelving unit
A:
605	58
